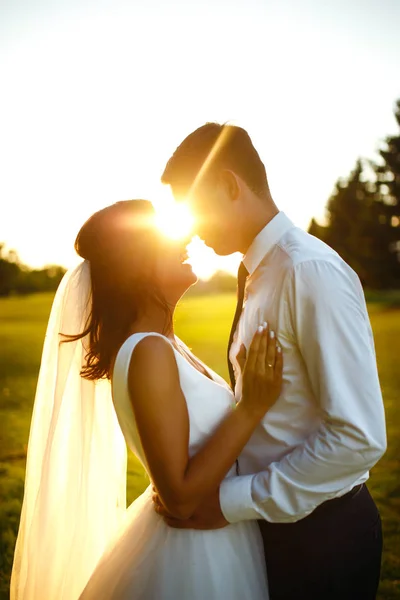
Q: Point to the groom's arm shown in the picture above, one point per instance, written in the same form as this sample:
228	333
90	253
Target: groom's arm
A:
328	318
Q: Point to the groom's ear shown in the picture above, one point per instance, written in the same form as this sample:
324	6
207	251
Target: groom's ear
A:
230	183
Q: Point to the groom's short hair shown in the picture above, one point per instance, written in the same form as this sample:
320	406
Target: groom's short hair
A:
214	146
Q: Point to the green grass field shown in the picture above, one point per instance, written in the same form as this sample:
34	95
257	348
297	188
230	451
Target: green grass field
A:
203	323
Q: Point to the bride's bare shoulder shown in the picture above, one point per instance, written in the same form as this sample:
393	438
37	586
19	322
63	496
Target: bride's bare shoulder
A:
152	362
152	345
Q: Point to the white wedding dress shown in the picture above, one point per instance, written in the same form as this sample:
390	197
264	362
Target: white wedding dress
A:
147	560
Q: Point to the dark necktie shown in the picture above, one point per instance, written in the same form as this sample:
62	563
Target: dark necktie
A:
241	280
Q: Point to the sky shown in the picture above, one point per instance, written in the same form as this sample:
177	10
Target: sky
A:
96	95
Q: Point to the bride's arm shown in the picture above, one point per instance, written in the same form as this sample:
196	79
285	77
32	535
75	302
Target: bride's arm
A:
163	423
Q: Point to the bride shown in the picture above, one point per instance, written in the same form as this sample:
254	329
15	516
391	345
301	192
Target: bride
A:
112	322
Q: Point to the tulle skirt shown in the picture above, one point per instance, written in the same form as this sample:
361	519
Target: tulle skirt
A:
148	560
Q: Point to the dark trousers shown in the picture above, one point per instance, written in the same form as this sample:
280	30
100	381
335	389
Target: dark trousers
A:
333	554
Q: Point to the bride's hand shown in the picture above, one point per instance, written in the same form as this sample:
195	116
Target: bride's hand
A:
262	372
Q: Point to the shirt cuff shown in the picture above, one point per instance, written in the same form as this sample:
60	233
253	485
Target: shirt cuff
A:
236	501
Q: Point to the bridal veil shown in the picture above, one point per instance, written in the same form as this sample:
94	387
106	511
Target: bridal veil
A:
75	483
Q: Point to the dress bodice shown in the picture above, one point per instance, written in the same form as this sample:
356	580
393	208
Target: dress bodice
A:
147	559
208	400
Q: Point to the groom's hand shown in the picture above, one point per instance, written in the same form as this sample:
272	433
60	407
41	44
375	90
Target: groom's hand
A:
207	516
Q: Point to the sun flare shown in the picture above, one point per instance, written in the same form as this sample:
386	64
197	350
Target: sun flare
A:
175	220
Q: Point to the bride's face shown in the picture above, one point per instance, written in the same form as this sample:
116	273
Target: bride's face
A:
174	275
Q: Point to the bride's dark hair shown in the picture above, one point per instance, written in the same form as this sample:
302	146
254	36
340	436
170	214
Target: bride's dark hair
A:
122	246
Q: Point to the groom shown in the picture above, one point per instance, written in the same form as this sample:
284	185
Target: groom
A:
303	473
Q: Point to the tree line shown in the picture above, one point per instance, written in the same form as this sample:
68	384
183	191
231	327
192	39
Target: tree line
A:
363	217
17	278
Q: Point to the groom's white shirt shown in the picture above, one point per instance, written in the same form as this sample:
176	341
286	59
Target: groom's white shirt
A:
327	429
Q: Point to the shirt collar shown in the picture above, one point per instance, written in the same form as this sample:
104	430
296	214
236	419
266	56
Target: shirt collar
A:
264	241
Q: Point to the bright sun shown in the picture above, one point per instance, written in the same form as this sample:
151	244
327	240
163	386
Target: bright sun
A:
177	222
174	220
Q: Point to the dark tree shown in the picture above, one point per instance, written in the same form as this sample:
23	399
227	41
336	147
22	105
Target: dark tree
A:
389	172
388	182
16	278
363	218
9	271
359	229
